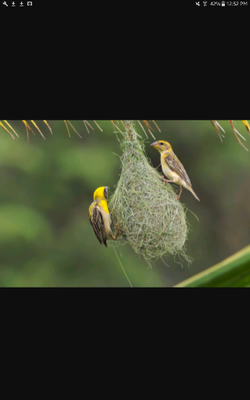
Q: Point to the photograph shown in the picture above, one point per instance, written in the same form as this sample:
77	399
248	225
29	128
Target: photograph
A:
125	203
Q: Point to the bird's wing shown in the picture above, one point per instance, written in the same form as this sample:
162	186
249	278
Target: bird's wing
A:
176	166
98	224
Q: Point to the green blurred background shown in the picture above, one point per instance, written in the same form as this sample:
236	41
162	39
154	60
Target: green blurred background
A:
47	186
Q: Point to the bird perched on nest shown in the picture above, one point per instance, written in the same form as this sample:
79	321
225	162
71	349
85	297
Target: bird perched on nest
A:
173	168
99	216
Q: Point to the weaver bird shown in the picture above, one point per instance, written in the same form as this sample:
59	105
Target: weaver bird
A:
99	216
172	167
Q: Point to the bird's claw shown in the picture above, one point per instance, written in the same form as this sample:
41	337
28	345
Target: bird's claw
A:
178	197
118	229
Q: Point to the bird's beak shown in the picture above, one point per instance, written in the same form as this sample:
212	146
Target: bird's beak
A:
106	192
155	144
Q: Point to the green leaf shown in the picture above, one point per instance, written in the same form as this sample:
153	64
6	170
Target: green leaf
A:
234	271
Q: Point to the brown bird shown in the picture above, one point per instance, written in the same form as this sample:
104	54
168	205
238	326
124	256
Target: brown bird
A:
173	168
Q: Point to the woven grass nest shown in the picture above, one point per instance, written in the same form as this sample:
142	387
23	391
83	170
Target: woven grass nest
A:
150	218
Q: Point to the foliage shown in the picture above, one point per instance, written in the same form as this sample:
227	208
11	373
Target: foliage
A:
234	271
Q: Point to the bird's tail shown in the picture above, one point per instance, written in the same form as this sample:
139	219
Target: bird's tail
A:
191	190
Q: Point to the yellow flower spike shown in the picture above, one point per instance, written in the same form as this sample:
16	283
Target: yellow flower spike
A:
113	122
28	128
67	127
235	134
7	131
27	125
246	125
148	126
27	133
123	124
216	125
68	122
98	126
74	129
85	123
37	129
11	127
46	123
156	125
142	128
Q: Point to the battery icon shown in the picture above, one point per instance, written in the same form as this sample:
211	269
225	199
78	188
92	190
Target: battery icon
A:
223	3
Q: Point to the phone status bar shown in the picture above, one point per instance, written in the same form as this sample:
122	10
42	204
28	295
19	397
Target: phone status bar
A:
221	3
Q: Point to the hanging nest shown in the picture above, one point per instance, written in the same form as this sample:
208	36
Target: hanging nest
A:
150	218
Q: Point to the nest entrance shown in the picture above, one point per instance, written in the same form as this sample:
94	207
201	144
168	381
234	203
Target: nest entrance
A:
150	218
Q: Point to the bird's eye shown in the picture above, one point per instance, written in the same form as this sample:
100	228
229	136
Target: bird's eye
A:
161	143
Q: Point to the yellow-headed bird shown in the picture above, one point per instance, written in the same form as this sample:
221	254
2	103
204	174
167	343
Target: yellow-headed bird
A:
172	167
99	216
